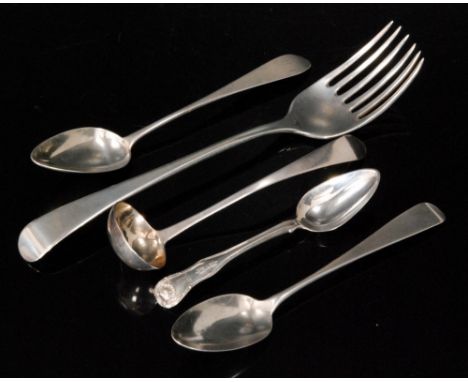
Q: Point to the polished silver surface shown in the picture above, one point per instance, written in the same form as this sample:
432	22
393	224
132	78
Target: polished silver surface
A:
95	149
235	321
325	207
342	101
142	247
43	233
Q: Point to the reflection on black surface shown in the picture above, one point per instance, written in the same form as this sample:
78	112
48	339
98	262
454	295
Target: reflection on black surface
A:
58	264
121	69
134	291
241	361
322	241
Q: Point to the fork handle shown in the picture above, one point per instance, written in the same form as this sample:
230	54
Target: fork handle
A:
279	68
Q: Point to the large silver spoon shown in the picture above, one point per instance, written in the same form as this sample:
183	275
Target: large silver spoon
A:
235	321
95	149
324	208
142	247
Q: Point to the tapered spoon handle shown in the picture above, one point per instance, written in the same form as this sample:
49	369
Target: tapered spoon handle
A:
345	149
417	219
279	68
42	234
171	290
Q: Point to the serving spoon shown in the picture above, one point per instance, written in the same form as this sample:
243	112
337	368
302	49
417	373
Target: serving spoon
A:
95	149
142	247
324	208
235	321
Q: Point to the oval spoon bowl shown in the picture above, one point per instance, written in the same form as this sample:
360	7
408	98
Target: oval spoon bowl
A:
85	149
134	240
334	202
203	328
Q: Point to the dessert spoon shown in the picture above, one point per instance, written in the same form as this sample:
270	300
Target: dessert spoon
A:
142	247
235	321
95	149
324	208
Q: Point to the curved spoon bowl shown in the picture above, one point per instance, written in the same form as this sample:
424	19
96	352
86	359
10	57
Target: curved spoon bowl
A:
85	149
204	326
334	202
134	240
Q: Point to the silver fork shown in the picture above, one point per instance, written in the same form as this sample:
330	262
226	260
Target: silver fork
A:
329	108
320	111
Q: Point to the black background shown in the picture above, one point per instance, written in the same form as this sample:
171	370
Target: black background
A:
402	312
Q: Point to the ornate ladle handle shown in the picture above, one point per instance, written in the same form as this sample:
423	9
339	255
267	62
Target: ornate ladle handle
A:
172	289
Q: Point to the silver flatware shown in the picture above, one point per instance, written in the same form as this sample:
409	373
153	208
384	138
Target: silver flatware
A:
324	208
332	106
43	233
235	321
142	247
95	149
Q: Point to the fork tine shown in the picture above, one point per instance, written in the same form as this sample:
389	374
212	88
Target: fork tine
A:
366	63
370	92
350	92
400	85
358	54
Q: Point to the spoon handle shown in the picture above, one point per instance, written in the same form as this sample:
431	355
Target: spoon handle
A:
336	152
170	290
42	234
281	67
417	219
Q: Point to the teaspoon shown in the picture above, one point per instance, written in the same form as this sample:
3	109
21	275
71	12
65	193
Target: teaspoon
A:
235	321
95	149
324	208
142	247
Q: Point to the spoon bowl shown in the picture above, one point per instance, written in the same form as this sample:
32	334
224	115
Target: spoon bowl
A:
85	149
334	202
134	240
227	322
